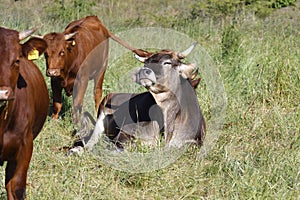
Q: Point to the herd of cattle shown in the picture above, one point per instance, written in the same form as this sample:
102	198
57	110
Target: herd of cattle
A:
169	108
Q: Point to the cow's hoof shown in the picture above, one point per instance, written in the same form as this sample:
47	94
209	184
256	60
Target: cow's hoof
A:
77	151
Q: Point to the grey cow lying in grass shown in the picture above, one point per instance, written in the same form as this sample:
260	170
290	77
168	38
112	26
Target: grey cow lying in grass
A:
170	107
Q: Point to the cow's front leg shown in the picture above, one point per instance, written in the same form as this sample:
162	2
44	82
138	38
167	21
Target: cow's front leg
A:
16	171
56	96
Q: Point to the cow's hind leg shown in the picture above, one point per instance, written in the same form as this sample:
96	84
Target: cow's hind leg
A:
79	90
98	90
98	80
16	171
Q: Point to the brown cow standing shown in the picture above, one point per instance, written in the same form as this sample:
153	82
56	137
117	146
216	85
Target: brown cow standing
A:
66	56
24	103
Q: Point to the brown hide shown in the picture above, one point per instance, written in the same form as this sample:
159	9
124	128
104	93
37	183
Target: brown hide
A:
64	59
23	108
77	55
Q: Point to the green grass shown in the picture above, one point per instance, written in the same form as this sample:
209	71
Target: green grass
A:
257	155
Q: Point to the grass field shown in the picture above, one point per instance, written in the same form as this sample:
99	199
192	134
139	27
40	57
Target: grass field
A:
257	154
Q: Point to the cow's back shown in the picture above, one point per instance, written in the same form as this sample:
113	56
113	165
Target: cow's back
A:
91	42
90	33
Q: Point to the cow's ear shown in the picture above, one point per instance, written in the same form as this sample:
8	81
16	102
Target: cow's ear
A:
33	48
195	82
188	70
70	44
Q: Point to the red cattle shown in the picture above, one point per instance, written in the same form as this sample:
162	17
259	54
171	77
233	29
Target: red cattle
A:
24	103
83	44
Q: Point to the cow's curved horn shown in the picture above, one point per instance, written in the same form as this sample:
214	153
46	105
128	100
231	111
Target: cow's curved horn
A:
70	35
185	53
37	36
25	34
140	58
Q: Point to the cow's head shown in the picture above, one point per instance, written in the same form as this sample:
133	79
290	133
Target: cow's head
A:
162	70
60	46
13	55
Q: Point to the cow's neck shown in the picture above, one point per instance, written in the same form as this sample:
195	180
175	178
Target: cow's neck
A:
169	105
189	102
72	64
71	69
181	113
187	122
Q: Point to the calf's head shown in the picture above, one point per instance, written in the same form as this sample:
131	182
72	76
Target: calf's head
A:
13	55
60	47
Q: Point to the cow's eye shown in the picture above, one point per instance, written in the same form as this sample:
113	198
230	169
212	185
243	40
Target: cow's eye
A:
17	61
62	53
167	63
16	64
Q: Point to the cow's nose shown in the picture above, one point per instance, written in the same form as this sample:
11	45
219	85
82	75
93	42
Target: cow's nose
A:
6	93
53	72
147	71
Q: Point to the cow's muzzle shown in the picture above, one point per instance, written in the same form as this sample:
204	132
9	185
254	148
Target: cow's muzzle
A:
146	77
6	93
53	72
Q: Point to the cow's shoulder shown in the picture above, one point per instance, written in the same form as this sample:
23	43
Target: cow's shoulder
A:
89	23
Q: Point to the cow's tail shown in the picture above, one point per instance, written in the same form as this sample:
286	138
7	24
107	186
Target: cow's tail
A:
139	52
